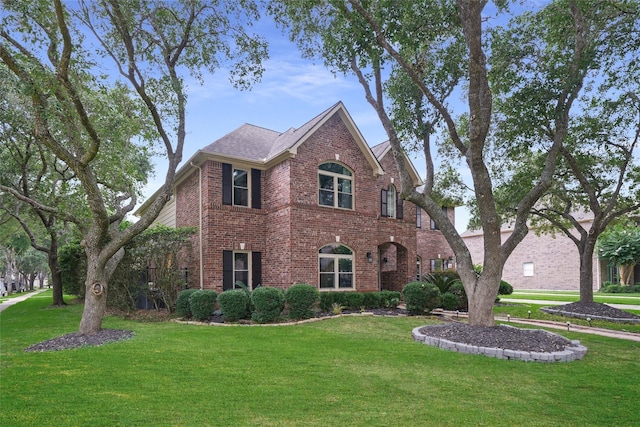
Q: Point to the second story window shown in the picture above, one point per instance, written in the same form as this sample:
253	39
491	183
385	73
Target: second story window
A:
434	225
240	188
335	186
391	205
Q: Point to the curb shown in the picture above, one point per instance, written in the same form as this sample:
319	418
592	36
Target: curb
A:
573	351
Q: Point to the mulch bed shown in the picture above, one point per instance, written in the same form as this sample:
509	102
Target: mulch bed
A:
77	340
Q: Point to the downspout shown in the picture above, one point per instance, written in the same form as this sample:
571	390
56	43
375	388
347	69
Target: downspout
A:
201	261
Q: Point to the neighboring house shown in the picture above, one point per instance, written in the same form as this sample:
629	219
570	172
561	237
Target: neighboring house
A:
311	205
542	261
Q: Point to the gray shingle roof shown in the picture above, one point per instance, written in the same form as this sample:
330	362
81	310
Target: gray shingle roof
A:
259	144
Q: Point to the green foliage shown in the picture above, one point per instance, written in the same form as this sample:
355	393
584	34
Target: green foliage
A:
152	267
354	300
300	299
449	301
183	305
268	304
458	290
202	303
73	265
505	288
390	299
620	244
234	305
442	279
421	296
614	288
372	300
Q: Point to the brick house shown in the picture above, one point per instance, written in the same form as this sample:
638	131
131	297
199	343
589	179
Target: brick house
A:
311	205
545	261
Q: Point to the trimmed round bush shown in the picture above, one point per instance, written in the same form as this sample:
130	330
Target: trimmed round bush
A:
202	304
268	303
183	306
300	298
449	301
505	288
421	296
234	304
458	290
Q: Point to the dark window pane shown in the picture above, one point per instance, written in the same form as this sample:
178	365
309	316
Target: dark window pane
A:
325	197
240	196
241	261
326	182
241	276
336	249
335	168
346	280
344	185
326	280
345	201
240	178
345	265
326	265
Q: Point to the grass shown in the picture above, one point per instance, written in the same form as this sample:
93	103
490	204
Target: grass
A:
569	296
356	371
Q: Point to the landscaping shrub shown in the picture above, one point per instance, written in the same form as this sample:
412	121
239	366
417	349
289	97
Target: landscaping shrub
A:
202	303
458	290
354	300
505	288
328	299
390	299
234	304
183	306
301	298
449	301
421	296
372	300
443	279
268	304
614	288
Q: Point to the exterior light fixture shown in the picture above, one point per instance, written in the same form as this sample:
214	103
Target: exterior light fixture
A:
508	318
529	313
369	257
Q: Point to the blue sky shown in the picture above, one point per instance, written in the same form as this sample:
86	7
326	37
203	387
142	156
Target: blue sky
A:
292	91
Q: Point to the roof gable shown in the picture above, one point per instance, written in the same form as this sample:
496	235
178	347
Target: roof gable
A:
384	148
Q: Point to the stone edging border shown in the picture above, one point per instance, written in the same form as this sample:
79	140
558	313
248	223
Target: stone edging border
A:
575	351
586	316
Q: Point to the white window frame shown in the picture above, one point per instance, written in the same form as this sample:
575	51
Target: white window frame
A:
235	168
248	270
528	269
391	201
336	193
336	269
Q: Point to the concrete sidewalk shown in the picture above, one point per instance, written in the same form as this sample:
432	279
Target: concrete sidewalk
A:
12	301
545	302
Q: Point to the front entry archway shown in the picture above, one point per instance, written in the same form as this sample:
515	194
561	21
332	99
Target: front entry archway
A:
393	266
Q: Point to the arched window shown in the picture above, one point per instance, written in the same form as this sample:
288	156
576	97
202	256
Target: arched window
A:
335	267
335	186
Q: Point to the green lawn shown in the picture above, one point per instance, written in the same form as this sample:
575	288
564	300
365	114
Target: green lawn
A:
355	371
567	296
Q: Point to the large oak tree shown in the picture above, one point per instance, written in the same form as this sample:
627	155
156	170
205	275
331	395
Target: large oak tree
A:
66	56
421	40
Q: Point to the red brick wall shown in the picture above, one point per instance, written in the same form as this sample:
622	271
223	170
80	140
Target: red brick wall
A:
291	227
431	243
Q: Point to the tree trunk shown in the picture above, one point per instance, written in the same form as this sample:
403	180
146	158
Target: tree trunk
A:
626	273
481	297
56	276
586	269
95	300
